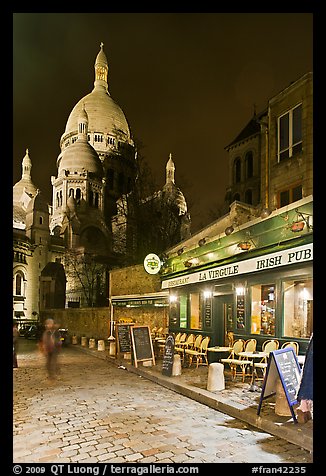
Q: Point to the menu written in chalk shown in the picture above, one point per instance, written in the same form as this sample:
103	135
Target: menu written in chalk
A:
290	373
141	344
208	313
282	366
168	356
123	338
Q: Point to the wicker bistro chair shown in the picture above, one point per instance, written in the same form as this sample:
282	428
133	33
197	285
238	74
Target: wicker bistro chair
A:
293	344
200	354
233	359
183	345
267	346
177	338
194	346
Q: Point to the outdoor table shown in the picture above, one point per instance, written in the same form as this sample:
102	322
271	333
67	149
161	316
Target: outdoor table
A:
218	349
253	355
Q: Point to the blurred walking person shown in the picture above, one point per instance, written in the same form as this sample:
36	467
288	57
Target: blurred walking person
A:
15	344
51	347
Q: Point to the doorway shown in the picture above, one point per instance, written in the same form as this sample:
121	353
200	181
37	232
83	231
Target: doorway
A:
223	318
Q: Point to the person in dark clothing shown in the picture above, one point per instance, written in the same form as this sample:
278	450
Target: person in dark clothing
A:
305	392
15	345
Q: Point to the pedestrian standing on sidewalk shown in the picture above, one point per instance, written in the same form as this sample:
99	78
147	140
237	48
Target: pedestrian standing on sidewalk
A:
15	344
50	347
305	393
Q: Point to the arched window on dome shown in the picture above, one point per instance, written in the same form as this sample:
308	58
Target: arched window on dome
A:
71	192
19	284
96	200
57	200
60	198
78	195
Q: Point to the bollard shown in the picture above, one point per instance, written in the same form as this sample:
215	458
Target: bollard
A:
74	340
281	403
176	367
84	341
101	345
91	343
215	380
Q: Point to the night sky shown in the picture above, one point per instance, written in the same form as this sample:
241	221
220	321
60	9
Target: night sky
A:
187	83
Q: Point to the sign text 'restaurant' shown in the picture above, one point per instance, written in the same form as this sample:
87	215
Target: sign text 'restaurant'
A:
259	263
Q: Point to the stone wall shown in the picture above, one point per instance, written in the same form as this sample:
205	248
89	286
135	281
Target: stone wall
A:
89	322
95	322
133	280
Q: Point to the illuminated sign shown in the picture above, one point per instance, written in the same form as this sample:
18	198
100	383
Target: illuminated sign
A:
152	263
269	261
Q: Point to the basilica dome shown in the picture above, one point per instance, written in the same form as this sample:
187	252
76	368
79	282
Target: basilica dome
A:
104	115
78	158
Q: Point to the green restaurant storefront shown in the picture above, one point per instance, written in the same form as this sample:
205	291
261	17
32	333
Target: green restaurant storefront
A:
264	293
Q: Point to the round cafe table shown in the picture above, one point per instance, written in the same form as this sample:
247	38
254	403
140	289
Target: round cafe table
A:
253	355
215	351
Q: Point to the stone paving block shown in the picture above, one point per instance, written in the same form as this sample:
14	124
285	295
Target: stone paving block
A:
134	457
105	457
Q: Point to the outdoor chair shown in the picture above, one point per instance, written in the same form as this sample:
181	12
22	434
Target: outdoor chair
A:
292	344
182	346
194	347
177	338
234	357
199	354
267	346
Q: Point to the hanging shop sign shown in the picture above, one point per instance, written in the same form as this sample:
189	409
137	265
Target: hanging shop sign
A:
152	263
290	256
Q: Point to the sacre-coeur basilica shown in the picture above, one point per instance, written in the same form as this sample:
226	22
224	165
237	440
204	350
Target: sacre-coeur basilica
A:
96	172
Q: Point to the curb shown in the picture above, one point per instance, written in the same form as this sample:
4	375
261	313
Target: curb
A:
291	432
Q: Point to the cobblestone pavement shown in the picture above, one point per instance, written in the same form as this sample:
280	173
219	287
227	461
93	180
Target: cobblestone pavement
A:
95	412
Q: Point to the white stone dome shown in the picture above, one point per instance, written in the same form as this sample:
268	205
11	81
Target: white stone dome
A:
104	115
80	157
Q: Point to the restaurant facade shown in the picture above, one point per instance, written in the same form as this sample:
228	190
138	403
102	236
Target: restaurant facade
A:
255	281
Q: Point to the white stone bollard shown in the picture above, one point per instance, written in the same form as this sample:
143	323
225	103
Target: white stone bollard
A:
176	367
91	343
100	345
74	339
84	341
215	380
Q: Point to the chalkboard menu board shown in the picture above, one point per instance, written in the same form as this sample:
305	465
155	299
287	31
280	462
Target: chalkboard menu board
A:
123	338
168	356
141	344
282	365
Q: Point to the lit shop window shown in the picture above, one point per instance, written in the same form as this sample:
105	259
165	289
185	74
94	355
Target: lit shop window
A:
195	313
290	133
298	308
263	309
183	311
